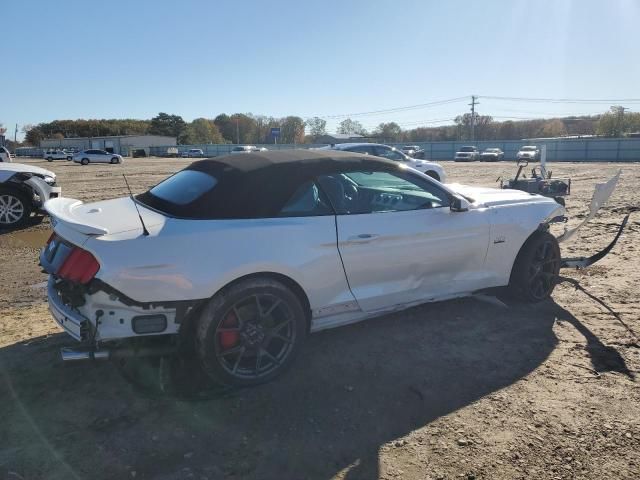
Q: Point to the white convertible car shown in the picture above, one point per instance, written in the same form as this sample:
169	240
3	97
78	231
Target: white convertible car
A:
238	258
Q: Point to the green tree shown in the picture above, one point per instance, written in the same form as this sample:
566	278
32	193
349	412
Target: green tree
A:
32	135
292	130
616	122
350	127
484	127
390	132
317	127
169	125
202	130
553	128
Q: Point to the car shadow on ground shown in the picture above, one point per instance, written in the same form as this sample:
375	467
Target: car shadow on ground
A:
351	391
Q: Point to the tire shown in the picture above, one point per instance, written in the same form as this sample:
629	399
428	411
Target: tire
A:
433	175
69	159
560	201
49	159
233	343
84	161
535	271
115	160
15	208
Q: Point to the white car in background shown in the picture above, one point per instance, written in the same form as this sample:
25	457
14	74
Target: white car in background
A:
432	169
23	190
181	264
85	157
528	152
247	149
467	154
193	153
55	154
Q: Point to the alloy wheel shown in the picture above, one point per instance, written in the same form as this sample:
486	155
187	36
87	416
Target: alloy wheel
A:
543	270
255	336
11	209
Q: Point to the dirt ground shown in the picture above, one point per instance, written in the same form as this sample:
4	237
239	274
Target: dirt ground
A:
460	389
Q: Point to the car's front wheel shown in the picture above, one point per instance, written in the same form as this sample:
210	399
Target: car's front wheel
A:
84	161
15	209
250	332
535	271
115	160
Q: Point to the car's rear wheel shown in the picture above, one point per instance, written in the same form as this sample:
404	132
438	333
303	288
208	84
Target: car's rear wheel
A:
433	175
15	208
49	159
69	158
535	271
84	161
114	160
250	332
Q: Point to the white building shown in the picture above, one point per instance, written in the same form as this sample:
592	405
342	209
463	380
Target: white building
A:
122	144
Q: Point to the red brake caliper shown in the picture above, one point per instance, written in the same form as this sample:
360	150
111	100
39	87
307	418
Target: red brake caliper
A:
229	339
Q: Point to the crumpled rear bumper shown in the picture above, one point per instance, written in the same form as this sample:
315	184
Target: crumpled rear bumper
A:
72	321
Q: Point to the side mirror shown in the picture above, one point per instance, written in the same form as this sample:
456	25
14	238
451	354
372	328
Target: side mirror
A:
459	204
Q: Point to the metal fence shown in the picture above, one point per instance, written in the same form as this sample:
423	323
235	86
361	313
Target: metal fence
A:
558	150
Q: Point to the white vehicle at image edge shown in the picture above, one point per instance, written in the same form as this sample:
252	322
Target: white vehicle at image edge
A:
23	190
432	169
5	156
86	157
238	258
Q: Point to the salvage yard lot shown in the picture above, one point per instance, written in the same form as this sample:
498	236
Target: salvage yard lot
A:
460	389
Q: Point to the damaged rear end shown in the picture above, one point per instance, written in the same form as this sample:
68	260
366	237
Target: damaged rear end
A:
103	319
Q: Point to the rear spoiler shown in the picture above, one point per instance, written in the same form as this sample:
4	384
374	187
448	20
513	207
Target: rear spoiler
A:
61	211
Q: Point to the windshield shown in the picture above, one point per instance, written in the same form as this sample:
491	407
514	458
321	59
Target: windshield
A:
528	149
467	149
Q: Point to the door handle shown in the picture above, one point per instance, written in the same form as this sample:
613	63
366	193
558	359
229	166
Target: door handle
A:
363	237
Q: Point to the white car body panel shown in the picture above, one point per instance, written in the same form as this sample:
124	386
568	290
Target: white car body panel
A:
38	186
413	257
395	258
96	158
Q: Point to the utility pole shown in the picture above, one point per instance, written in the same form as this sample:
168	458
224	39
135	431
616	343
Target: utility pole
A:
237	132
15	135
474	102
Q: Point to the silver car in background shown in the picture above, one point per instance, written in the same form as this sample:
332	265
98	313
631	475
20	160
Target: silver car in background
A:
85	157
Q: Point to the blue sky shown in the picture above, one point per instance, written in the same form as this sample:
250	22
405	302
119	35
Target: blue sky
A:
135	58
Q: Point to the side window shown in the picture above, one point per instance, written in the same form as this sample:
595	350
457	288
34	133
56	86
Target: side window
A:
389	154
368	149
364	192
307	201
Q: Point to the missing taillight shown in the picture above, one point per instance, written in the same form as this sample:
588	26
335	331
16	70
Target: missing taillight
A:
79	266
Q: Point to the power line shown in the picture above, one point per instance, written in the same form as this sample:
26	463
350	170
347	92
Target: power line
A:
564	100
395	109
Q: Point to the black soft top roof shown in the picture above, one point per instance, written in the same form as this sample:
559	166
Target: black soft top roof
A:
258	185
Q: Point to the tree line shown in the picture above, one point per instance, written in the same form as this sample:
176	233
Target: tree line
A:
256	129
